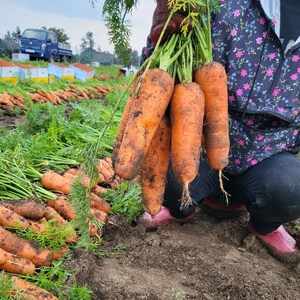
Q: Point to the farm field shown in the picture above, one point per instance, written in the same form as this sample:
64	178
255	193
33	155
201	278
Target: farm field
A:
206	258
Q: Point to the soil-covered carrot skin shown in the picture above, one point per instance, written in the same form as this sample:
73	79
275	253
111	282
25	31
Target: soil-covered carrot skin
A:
33	291
123	122
63	206
212	79
28	209
12	243
186	112
154	168
99	203
11	219
147	110
55	182
15	264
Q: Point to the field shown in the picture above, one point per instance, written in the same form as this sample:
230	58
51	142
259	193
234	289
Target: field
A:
206	258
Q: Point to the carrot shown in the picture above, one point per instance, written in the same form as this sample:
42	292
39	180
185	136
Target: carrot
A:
212	79
154	168
72	174
186	112
106	170
12	243
123	122
147	110
99	203
11	219
100	215
55	182
99	190
28	209
61	253
52	214
32	291
63	207
15	264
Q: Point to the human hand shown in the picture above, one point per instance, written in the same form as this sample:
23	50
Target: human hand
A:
160	16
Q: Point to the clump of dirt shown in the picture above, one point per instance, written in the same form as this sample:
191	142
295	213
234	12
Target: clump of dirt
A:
203	259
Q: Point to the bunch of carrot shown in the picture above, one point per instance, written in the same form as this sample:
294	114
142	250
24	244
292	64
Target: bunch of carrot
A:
163	121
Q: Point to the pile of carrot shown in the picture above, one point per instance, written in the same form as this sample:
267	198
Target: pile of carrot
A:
168	123
8	102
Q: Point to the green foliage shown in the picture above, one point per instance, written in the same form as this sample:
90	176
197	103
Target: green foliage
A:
126	200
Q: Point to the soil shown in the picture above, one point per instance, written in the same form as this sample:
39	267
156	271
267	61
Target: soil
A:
205	259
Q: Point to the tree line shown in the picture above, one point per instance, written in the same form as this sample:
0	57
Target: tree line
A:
10	44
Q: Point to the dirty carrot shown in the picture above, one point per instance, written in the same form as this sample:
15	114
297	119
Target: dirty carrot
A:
15	264
147	110
55	182
99	203
32	291
28	209
212	79
11	219
12	243
63	207
100	215
154	168
186	112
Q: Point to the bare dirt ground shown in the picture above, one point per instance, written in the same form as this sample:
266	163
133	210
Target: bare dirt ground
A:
204	259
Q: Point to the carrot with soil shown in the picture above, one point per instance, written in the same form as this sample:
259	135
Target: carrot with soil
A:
154	168
147	110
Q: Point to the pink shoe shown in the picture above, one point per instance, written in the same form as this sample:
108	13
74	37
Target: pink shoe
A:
221	211
280	244
163	218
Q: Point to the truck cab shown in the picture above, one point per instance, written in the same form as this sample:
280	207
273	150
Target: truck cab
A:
43	44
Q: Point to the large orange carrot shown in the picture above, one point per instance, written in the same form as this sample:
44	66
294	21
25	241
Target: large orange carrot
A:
55	182
15	264
212	79
186	112
12	243
32	291
28	209
147	110
154	168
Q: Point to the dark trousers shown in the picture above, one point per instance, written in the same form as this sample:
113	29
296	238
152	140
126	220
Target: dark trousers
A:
270	190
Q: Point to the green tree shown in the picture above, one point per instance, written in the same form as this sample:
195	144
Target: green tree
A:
88	41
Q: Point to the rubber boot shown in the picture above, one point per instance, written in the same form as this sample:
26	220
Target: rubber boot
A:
163	218
279	243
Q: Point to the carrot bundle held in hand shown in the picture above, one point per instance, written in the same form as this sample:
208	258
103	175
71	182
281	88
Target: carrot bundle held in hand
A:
147	110
154	168
186	112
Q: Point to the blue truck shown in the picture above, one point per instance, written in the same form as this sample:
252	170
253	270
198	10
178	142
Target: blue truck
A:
44	45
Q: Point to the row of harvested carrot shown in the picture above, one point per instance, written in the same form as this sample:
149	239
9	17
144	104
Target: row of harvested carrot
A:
20	256
9	101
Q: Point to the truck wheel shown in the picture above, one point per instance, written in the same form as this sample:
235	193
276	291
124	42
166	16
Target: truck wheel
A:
51	59
64	59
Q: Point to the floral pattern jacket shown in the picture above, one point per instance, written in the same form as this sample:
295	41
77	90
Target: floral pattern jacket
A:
263	81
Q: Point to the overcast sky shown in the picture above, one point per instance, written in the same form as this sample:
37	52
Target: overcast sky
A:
76	17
